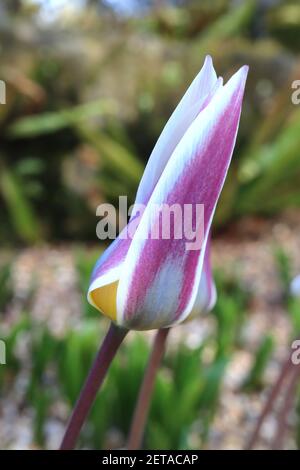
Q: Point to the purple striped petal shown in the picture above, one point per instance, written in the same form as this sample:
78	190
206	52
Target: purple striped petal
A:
198	95
160	283
206	294
108	267
195	99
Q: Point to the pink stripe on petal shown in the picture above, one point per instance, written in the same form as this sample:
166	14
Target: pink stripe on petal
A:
195	174
195	99
108	267
111	258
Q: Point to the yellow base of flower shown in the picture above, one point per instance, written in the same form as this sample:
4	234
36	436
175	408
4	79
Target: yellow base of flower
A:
106	299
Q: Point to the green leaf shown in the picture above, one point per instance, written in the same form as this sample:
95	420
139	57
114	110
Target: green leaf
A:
114	155
20	209
254	381
228	24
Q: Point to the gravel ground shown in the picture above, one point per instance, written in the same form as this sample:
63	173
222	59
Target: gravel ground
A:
247	250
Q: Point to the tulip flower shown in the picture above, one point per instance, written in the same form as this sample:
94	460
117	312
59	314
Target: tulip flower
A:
143	283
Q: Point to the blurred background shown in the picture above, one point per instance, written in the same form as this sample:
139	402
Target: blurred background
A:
89	87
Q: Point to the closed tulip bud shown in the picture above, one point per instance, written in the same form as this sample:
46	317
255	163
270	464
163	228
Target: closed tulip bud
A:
144	283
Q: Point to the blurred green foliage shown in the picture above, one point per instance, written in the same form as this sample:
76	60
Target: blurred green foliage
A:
6	288
53	380
89	93
87	96
190	380
255	378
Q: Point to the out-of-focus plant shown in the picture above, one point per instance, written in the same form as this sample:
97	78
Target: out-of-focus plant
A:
229	312
6	285
254	380
287	381
64	96
190	380
84	262
133	281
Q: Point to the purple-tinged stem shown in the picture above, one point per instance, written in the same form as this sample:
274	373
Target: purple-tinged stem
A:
143	404
107	352
285	371
284	412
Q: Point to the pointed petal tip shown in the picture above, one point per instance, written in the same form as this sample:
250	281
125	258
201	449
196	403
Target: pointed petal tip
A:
208	69
208	63
242	73
244	70
237	82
